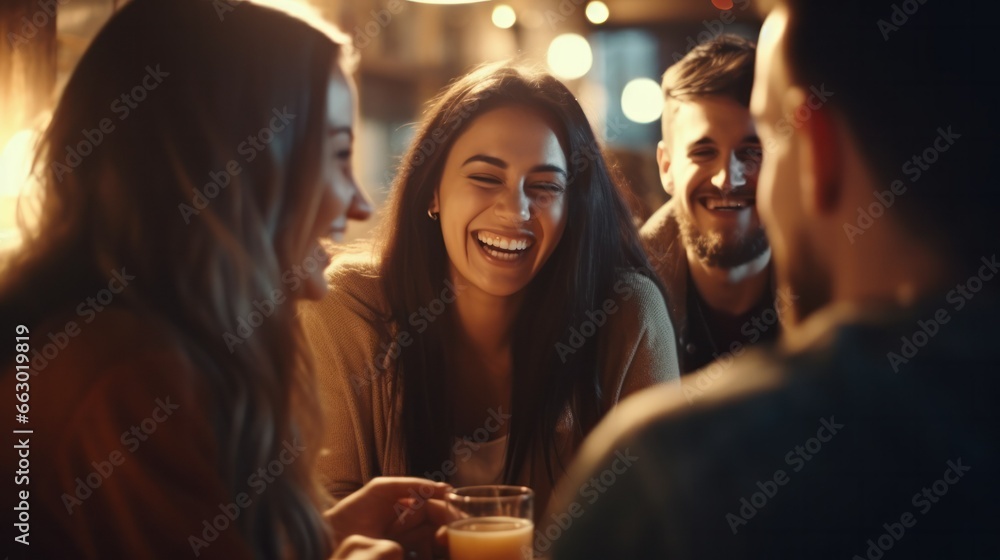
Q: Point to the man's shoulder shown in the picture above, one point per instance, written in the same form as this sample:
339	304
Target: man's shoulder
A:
742	403
725	388
833	420
661	240
661	227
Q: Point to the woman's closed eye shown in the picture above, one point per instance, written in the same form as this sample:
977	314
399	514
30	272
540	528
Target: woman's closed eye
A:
487	179
553	188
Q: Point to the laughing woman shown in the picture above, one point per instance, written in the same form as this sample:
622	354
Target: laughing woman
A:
503	313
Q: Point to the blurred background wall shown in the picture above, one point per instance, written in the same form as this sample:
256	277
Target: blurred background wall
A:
611	53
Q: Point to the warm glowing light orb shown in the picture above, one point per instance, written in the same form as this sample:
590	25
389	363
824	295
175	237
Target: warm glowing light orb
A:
598	12
570	56
504	16
642	100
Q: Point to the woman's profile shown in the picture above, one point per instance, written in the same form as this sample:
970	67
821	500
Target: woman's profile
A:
172	396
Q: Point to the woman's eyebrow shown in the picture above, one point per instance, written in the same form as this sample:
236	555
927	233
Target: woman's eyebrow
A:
497	162
548	168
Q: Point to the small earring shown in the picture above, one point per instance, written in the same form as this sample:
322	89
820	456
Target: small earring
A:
432	215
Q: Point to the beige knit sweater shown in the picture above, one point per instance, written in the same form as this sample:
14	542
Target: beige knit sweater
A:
355	376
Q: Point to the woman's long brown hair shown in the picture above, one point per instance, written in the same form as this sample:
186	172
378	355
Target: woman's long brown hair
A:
200	265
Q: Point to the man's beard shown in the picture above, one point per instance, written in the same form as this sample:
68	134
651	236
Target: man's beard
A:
714	249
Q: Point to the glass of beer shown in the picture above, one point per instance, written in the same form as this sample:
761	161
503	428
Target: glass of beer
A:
491	523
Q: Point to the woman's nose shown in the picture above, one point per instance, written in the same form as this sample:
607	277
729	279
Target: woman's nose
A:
361	207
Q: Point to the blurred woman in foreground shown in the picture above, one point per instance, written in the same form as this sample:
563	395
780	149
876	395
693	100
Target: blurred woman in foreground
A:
198	157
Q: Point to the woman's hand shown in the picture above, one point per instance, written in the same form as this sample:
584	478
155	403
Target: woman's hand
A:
407	510
356	547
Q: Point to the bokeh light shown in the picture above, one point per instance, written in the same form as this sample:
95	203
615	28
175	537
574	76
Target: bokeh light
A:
504	16
597	12
570	56
642	100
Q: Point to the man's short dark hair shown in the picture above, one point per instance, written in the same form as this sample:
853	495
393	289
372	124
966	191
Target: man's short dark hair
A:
722	66
902	75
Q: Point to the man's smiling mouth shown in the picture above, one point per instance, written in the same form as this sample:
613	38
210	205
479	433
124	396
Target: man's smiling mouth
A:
727	204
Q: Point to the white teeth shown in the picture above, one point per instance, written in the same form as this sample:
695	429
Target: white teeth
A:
504	243
503	256
717	203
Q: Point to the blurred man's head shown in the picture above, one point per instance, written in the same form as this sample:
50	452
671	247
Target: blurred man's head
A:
859	110
710	155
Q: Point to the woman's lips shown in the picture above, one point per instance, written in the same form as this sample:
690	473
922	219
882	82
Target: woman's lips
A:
492	247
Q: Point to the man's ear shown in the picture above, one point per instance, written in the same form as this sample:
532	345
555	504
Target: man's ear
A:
663	164
821	161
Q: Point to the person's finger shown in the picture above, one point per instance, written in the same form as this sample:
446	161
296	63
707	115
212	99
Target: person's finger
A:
357	547
392	488
382	503
412	513
409	514
440	547
438	513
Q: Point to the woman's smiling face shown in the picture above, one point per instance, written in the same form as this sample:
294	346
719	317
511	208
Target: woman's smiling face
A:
502	199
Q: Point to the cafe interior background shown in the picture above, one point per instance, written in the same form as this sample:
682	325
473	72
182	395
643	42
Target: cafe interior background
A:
610	53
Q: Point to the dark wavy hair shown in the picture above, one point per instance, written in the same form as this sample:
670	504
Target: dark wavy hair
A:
599	242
